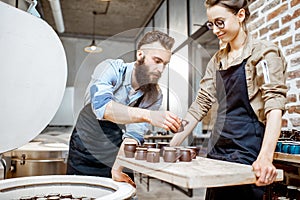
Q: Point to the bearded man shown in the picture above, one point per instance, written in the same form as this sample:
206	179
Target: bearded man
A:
122	100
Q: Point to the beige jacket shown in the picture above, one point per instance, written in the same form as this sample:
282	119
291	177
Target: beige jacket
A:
265	76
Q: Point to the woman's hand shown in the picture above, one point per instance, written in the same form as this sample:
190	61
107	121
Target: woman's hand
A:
265	172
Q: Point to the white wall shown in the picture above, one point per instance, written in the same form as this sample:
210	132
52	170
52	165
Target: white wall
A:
76	56
81	64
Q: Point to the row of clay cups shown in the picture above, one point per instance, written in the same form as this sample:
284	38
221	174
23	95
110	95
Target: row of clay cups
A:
130	147
152	154
169	154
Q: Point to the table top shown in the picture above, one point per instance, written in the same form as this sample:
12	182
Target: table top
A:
200	173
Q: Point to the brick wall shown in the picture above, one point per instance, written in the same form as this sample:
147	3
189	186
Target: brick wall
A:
279	21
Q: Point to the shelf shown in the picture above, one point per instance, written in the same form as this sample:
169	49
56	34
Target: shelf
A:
294	158
155	138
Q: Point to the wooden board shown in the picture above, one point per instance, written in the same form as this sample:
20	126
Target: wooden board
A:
294	158
200	173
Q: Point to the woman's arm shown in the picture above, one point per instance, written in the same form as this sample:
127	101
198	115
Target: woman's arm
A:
263	167
179	137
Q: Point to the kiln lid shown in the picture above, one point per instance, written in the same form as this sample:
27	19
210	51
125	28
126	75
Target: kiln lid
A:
33	76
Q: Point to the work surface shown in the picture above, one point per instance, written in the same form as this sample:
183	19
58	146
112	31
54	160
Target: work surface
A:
200	173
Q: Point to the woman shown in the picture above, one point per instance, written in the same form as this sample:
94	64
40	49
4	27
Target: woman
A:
247	79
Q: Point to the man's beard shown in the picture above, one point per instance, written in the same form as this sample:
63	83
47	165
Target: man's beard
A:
143	78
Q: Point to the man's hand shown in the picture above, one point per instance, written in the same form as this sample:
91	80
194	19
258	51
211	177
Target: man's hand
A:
122	114
165	119
122	177
264	171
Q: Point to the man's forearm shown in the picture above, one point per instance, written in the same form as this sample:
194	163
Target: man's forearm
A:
122	114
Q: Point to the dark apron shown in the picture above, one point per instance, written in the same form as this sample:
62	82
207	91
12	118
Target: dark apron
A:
237	135
94	146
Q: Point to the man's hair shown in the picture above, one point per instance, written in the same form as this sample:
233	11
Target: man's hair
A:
153	36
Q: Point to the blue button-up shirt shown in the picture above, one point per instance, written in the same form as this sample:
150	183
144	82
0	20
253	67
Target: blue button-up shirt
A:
111	81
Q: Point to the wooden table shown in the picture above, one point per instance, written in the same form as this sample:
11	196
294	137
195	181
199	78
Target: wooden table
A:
200	173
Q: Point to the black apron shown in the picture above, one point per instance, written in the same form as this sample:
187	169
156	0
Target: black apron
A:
237	135
94	145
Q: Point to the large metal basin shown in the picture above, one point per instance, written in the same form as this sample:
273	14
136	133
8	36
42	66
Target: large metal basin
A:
36	159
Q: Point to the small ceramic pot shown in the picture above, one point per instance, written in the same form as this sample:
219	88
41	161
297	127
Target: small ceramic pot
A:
186	155
169	154
286	147
161	145
149	145
278	146
195	149
153	155
294	149
129	149
141	153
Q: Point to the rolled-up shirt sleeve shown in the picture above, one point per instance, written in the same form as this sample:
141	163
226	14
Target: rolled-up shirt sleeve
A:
101	90
206	93
138	130
274	88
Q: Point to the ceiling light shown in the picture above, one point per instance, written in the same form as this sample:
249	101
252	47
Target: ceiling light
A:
93	48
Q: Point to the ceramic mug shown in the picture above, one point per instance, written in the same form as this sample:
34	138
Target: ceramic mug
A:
296	135
183	124
285	147
153	155
141	153
161	146
278	146
294	149
129	149
178	148
186	155
149	145
195	149
169	154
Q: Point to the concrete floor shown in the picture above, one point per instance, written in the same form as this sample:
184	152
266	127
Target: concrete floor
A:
159	190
